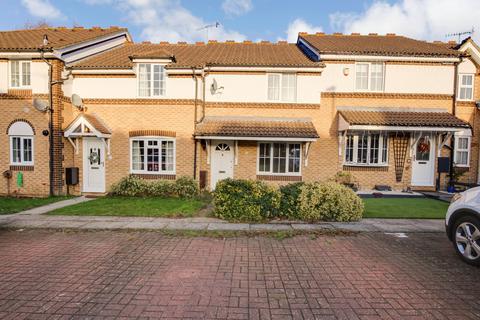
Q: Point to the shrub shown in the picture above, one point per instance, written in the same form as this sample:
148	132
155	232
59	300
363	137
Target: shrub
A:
245	200
130	186
289	201
161	188
186	187
328	201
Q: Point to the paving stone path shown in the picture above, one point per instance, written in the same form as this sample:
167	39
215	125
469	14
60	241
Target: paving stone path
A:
147	275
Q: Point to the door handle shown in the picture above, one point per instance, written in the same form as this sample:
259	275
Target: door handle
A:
221	171
422	162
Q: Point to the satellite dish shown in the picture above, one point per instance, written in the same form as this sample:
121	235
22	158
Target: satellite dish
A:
214	86
77	101
40	105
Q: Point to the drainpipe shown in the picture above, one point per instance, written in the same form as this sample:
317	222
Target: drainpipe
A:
195	123
50	123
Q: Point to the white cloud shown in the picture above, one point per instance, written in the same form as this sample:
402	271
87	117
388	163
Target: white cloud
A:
168	20
237	7
422	19
42	9
299	25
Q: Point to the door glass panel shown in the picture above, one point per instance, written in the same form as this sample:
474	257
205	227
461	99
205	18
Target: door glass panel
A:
423	149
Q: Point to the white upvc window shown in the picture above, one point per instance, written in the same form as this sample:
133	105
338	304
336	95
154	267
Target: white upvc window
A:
461	156
369	76
20	74
282	87
465	86
152	155
21	151
279	158
151	80
366	149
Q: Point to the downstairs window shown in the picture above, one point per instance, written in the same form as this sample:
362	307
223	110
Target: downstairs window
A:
279	158
366	149
152	155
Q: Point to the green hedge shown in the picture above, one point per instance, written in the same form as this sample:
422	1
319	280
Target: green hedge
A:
132	186
255	201
245	200
328	201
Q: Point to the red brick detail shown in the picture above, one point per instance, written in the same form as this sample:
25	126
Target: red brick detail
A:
155	176
157	133
21	120
20	92
365	168
381	95
21	168
278	178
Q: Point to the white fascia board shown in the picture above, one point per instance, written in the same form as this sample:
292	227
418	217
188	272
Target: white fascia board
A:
471	49
312	49
89	51
348	57
254	138
91	42
401	128
101	71
268	69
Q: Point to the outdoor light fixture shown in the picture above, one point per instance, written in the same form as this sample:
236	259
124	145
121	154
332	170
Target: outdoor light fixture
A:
346	71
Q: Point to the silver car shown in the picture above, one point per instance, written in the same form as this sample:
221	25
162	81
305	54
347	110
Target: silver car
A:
463	225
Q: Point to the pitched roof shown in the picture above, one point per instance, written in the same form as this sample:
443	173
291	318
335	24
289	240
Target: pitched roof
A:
93	120
257	127
403	118
32	39
196	55
372	44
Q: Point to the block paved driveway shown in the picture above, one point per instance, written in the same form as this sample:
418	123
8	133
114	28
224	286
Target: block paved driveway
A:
49	275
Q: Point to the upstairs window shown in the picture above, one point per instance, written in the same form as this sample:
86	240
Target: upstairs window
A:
20	75
366	149
282	87
151	80
465	87
369	76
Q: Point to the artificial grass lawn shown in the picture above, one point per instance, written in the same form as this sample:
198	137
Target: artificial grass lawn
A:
12	205
134	207
408	208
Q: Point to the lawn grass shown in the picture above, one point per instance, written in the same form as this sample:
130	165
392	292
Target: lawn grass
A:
408	208
134	207
10	205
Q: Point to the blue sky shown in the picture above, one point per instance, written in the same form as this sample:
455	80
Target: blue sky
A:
177	20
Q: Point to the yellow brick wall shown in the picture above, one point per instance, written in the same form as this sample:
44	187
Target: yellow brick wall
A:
36	182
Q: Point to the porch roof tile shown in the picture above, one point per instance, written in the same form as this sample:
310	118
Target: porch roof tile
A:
403	118
257	127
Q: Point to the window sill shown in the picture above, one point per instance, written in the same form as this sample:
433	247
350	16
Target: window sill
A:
348	167
21	167
274	177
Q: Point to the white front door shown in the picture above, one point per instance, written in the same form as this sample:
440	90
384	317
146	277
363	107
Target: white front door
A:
221	164
93	165
423	161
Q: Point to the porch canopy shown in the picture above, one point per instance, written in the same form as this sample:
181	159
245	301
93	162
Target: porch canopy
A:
87	125
406	121
256	128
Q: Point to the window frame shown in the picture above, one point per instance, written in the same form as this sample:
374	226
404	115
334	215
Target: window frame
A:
369	76
383	141
467	150
460	86
152	80
281	98
21	84
22	150
159	140
287	157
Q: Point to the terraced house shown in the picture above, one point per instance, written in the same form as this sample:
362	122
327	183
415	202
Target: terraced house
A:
384	108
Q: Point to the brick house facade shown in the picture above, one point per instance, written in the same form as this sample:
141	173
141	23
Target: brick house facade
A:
145	107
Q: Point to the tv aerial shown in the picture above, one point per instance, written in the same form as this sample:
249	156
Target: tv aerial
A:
77	101
209	26
40	105
460	34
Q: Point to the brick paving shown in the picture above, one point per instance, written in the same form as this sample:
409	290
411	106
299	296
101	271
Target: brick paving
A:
141	275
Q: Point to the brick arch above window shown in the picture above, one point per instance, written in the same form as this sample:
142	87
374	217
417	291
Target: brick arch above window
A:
20	122
152	133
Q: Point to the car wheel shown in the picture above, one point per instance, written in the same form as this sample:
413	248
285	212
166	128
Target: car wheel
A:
466	240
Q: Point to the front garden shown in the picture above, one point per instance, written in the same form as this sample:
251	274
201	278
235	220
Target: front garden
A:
9	205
